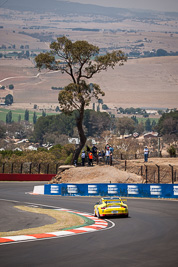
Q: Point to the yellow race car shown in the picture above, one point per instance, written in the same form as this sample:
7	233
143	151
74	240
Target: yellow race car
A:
111	206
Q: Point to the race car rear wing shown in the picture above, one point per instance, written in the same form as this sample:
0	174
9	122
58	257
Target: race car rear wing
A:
115	199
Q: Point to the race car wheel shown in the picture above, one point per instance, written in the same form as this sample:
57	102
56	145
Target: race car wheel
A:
98	214
94	213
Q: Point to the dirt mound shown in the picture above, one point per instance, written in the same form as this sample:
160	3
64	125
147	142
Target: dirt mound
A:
117	173
98	174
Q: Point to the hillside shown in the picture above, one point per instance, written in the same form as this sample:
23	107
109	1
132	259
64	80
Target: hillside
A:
66	7
149	82
144	82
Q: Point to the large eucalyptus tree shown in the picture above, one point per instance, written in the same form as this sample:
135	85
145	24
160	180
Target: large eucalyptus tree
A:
81	61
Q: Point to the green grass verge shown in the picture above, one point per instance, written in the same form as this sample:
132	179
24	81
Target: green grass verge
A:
145	119
21	112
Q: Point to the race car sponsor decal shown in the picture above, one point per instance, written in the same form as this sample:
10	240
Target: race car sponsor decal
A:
72	189
92	189
155	190
54	189
175	189
132	190
112	189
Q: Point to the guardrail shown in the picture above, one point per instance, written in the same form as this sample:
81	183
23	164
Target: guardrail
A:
122	190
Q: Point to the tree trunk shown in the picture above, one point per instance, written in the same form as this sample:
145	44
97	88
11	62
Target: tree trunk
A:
82	136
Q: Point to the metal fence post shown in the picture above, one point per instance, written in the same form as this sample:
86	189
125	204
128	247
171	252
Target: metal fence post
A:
125	165
175	179
158	173
30	168
12	167
39	167
21	167
3	167
141	170
57	165
172	172
146	174
47	169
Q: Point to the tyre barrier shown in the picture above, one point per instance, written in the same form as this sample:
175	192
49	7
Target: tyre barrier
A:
122	190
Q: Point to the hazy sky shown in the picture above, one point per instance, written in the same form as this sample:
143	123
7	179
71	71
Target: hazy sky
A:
161	5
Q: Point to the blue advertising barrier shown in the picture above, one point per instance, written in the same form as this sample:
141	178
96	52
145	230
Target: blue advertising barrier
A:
122	190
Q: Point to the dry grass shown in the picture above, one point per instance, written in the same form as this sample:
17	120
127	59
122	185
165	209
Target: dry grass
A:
63	220
149	82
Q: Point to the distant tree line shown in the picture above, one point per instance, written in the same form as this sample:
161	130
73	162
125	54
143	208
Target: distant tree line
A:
57	88
57	154
85	29
43	37
154	53
132	110
95	123
57	129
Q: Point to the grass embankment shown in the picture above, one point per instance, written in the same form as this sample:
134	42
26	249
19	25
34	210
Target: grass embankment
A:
63	220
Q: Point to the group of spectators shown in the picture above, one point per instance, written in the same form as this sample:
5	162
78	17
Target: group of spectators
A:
105	155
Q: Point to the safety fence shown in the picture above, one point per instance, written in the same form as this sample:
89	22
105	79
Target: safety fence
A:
151	173
152	154
122	190
29	168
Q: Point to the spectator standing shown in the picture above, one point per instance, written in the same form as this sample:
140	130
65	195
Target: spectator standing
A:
103	154
107	155
83	158
88	151
94	151
111	149
90	158
99	154
106	146
146	151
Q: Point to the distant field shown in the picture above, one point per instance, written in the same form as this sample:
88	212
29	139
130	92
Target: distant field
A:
21	112
144	83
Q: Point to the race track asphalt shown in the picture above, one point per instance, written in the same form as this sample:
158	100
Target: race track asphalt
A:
149	237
